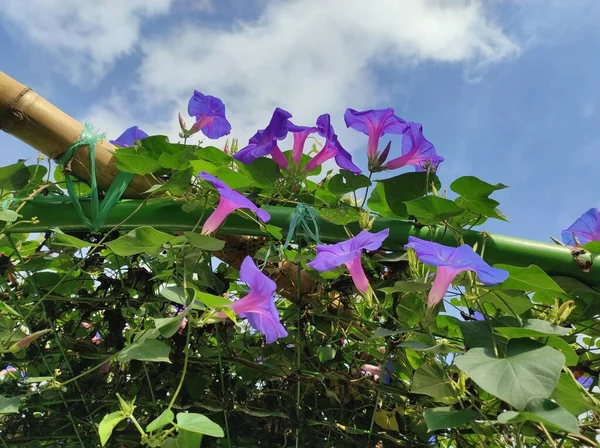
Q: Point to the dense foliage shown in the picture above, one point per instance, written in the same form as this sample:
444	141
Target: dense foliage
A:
130	338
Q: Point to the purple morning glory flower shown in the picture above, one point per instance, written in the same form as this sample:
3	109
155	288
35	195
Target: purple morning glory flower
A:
375	124
585	381
450	262
97	339
129	137
301	133
258	306
209	112
230	201
332	148
416	151
265	140
6	371
348	253
586	228
478	316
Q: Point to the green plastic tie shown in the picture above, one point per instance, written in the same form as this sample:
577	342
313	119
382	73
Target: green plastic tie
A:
300	218
99	211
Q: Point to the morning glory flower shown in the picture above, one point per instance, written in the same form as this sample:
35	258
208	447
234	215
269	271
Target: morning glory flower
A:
97	339
375	124
584	380
375	371
416	151
265	140
301	133
129	137
586	228
230	201
7	371
348	253
450	262
209	112
258	306
332	148
478	316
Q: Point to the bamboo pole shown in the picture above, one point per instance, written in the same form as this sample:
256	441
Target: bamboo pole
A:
32	119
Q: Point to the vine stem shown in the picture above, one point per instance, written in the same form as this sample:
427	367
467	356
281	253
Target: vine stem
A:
223	388
298	391
186	352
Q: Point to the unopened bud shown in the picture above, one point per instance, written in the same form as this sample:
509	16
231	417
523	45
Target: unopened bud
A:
182	124
226	148
384	154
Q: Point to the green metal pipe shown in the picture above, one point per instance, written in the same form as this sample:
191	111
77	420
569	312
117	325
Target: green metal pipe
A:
167	216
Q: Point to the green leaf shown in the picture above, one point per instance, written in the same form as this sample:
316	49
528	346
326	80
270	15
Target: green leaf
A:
326	353
529	370
407	187
405	286
568	394
9	405
346	182
141	240
149	350
508	302
136	160
213	155
264	172
108	423
14	177
187	439
274	231
340	216
476	334
383	332
532	328
529	279
593	247
429	379
542	411
432	209
168	326
378	203
446	417
162	420
212	301
204	242
198	423
8	215
571	358
7	309
62	239
233	179
471	186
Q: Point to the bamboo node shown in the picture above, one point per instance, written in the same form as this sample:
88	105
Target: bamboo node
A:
11	109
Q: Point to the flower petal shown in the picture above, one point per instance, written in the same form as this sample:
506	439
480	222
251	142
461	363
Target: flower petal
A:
586	228
129	137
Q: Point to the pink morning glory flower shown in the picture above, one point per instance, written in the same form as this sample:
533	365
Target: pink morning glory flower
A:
450	262
348	253
209	112
332	148
230	201
375	124
7	371
129	137
258	306
586	228
416	151
265	141
301	133
97	339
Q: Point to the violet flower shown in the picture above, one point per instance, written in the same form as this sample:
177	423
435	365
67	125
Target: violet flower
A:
301	133
586	228
209	112
375	124
585	380
265	141
129	137
348	253
478	316
258	306
332	148
230	201
450	262
97	339
7	371
416	151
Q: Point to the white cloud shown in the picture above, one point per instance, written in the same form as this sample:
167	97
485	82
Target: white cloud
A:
309	57
86	37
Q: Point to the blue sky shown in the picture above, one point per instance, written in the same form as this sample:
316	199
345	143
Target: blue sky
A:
506	90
